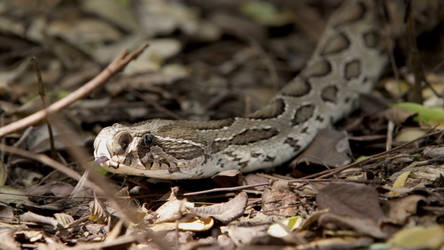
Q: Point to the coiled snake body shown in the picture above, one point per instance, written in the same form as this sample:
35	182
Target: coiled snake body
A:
347	62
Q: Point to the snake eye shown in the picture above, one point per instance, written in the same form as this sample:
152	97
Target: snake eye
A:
121	142
147	139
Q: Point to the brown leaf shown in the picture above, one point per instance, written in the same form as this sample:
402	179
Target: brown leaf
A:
350	199
398	115
224	212
362	225
228	178
329	148
338	243
280	199
33	217
401	209
173	209
243	235
38	139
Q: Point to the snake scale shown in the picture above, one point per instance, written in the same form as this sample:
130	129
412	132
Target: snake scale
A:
347	61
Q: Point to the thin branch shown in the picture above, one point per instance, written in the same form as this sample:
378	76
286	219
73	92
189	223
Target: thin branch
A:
117	65
330	172
42	94
227	189
45	160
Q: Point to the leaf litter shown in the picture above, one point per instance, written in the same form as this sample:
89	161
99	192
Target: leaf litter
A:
211	60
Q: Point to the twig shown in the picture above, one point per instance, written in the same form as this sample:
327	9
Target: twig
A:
330	172
389	139
389	39
228	189
225	189
45	160
414	58
117	65
42	94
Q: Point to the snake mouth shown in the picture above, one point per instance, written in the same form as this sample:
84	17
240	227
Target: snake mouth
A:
104	159
109	163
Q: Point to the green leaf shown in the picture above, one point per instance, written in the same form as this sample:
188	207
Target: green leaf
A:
425	113
264	13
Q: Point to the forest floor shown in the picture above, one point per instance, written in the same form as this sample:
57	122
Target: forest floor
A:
211	60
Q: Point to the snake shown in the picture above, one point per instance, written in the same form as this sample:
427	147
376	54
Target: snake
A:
347	61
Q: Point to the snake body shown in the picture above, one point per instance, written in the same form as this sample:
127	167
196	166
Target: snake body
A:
346	63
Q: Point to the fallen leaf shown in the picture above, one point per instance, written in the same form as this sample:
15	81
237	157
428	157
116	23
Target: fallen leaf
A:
284	227
10	195
350	199
37	218
38	139
84	32
171	210
425	113
153	58
338	243
7	214
8	240
264	13
351	205
395	87
409	134
244	235
329	148
193	225
99	214
64	219
433	152
115	11
197	225
419	237
400	182
280	199
224	212
362	225
398	115
402	208
227	178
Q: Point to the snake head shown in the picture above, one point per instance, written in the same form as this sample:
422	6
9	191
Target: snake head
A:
146	149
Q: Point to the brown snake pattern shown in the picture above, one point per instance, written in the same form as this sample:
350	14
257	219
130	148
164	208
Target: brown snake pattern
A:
346	63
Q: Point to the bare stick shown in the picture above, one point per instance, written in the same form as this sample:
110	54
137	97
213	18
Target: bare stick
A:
330	172
117	65
42	94
47	161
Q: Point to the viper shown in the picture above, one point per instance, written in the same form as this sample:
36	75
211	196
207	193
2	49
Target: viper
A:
347	61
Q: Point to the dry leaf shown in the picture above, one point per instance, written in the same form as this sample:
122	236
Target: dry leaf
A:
350	199
329	148
402	208
409	134
400	182
280	199
419	237
284	227
224	212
